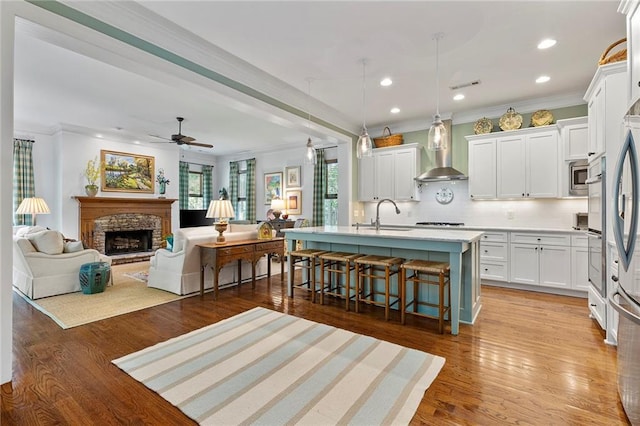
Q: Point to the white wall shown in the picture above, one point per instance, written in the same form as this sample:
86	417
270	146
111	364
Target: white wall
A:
278	161
59	163
542	213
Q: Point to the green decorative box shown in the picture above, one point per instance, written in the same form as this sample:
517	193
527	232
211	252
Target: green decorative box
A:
94	277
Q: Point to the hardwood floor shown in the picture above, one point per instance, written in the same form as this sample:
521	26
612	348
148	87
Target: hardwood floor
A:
531	358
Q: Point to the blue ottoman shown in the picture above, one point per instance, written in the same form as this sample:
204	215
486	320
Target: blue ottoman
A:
94	277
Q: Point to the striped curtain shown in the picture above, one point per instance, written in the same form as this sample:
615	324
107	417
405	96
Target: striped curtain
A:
251	190
234	167
23	180
319	188
207	185
183	185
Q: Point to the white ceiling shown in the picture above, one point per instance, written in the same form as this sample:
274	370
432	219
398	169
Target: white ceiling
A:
494	42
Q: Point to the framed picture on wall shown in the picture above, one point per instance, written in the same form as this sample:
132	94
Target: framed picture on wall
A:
294	201
293	176
123	172
272	186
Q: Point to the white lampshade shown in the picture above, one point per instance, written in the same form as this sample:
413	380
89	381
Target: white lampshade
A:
277	204
33	206
220	209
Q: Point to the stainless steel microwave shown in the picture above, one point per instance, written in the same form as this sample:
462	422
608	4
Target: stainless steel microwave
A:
578	174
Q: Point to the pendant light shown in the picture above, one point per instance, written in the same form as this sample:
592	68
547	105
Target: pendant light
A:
364	147
310	157
438	137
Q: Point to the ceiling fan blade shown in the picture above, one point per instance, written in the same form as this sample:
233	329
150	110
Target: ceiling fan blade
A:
186	139
204	145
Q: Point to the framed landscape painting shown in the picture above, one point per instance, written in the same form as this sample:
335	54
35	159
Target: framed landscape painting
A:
123	172
272	186
294	202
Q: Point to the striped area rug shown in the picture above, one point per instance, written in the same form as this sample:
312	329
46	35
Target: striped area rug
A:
265	367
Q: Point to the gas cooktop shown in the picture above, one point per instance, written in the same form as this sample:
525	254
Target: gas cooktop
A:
440	223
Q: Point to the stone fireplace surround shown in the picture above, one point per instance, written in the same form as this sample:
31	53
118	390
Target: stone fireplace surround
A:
98	215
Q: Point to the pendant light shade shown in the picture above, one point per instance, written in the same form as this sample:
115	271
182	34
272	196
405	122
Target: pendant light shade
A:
364	147
310	156
438	137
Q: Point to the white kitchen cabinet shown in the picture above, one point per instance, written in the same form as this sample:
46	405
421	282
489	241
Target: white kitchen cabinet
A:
579	263
540	259
389	173
574	135
631	9
605	110
482	169
494	256
527	165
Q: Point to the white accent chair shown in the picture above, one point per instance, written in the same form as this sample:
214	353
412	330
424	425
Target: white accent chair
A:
178	270
40	274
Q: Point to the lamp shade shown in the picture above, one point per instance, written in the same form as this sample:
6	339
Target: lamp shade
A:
220	209
438	137
34	205
278	204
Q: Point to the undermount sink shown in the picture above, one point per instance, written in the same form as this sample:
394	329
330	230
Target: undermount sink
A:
384	228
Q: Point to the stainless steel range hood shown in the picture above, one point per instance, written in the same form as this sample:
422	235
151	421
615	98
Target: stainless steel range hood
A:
443	170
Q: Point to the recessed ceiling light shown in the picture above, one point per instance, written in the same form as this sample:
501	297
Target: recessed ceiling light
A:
98	135
543	79
546	43
458	97
395	110
386	82
136	142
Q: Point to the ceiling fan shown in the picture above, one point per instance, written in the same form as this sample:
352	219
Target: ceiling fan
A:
181	139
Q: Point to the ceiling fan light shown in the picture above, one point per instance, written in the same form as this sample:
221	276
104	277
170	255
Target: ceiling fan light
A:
438	138
364	147
310	156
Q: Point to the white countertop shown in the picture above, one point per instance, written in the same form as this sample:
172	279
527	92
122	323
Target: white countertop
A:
401	232
491	228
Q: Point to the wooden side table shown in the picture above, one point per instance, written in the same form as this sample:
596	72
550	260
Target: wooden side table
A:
216	256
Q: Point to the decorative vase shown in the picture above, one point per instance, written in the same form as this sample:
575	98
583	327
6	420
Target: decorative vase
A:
163	188
91	190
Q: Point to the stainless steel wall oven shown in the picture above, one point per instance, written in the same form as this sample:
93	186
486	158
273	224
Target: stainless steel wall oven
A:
597	226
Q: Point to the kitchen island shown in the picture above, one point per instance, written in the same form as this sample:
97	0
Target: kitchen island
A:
457	247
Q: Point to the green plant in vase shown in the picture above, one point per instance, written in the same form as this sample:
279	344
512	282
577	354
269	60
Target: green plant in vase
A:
92	173
162	181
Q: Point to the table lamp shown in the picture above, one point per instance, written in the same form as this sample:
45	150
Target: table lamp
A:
33	206
222	210
277	205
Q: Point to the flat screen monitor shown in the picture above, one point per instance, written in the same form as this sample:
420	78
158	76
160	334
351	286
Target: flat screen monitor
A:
191	218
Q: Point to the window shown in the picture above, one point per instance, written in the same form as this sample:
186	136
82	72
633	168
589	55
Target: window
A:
241	212
196	200
331	197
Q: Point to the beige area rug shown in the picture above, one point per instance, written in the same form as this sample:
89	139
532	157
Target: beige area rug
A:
129	293
265	367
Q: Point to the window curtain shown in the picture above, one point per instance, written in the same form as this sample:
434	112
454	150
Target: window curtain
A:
234	167
23	180
207	186
183	190
319	188
251	190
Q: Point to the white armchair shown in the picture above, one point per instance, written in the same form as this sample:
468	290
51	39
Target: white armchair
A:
40	274
178	270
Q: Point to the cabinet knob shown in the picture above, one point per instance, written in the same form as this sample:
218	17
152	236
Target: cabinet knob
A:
614	278
486	251
639	84
486	269
527	194
471	195
589	154
523	194
593	304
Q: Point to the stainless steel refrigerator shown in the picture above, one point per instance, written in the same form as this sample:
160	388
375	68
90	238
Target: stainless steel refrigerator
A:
626	298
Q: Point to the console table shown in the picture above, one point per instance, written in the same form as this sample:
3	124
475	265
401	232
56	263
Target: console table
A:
217	255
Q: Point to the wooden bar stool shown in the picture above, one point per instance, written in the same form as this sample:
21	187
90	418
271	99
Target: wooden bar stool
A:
376	267
436	274
337	264
307	260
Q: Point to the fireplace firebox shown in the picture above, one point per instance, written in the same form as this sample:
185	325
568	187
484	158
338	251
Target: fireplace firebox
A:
119	242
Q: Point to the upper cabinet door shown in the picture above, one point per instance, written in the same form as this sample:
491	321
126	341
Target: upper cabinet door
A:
511	167
542	165
482	169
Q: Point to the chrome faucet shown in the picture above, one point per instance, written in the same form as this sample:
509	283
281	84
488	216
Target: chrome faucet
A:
377	222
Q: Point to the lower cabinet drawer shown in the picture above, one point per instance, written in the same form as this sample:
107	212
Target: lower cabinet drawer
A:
273	245
493	251
495	271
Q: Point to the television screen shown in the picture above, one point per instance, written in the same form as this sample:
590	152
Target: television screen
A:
191	218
